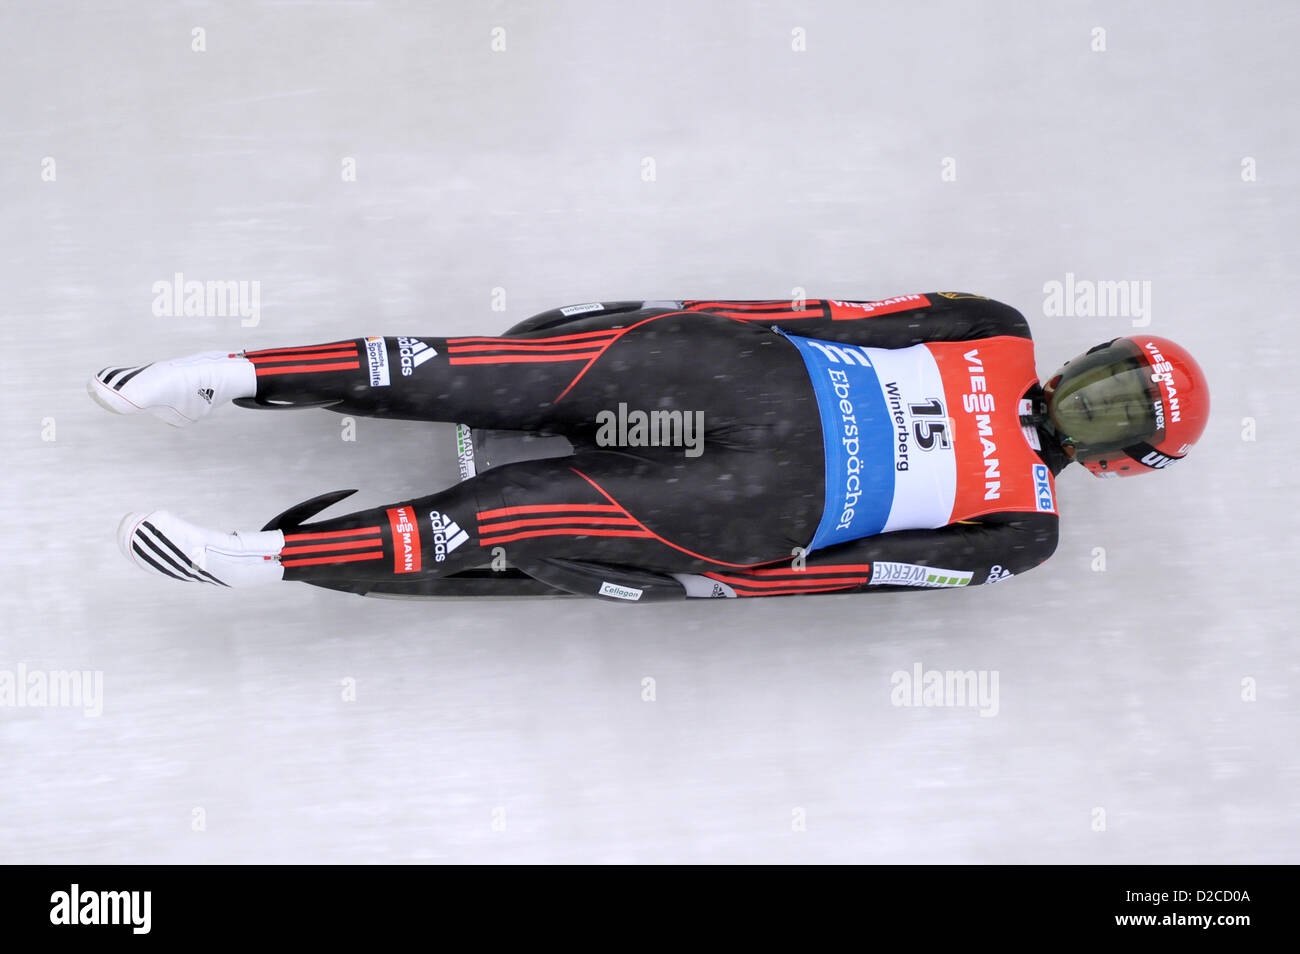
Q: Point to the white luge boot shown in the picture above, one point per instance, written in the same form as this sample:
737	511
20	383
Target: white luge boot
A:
165	545
179	391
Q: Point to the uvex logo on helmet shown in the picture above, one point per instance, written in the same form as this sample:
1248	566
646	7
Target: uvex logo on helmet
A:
1181	409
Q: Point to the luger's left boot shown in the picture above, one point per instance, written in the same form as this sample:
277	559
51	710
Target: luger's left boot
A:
163	544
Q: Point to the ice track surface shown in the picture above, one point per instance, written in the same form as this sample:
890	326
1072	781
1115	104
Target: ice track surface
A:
518	731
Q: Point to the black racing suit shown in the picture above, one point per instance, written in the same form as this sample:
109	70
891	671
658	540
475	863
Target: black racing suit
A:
731	517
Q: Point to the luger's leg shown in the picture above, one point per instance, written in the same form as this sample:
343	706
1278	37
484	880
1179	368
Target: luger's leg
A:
646	511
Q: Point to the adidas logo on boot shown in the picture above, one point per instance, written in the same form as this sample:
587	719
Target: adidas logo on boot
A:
179	391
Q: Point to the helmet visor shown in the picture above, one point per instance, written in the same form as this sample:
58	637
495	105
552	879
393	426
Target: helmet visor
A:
1106	400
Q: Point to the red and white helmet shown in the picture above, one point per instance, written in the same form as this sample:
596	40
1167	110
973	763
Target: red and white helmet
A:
1130	406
